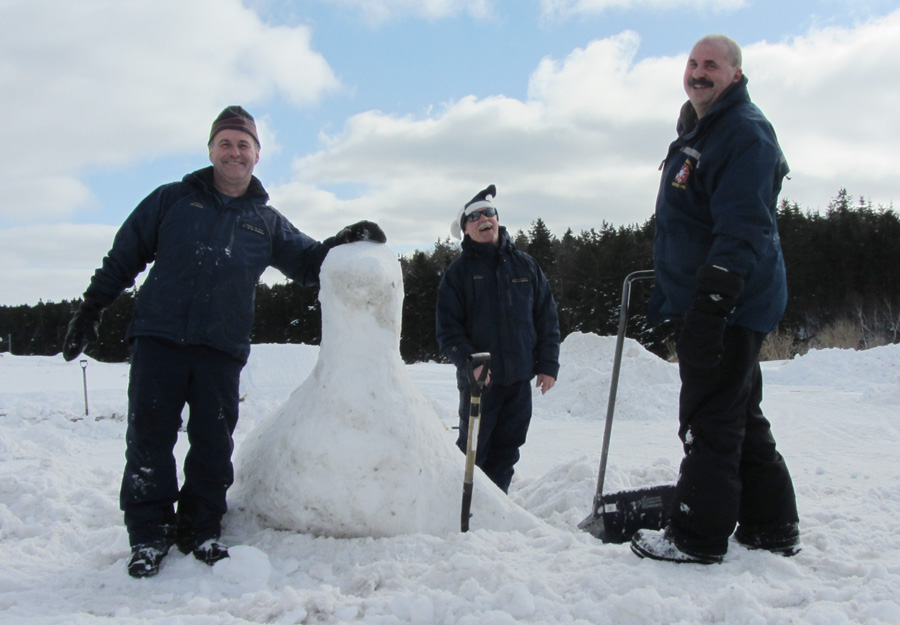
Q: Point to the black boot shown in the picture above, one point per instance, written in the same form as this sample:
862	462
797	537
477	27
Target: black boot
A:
211	551
784	540
659	545
145	559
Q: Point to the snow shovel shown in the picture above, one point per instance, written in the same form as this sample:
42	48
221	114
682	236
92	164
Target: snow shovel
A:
482	359
615	517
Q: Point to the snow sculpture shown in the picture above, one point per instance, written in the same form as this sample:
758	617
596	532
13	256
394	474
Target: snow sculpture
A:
357	450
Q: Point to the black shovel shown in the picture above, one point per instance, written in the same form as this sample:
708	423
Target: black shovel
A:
482	359
617	516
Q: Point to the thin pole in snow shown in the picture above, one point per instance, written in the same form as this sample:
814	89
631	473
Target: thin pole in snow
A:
84	364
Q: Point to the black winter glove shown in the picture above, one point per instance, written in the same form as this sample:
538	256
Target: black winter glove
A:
699	342
83	328
360	231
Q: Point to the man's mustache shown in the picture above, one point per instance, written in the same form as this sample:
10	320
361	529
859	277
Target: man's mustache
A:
700	82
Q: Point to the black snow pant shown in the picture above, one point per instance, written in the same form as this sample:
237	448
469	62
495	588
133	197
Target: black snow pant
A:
731	472
163	378
505	417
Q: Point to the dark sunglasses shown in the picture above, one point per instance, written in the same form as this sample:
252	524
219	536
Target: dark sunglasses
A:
487	212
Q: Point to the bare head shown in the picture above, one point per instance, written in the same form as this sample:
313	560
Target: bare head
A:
713	65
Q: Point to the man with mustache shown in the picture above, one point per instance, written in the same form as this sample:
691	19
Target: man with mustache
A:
209	237
495	298
720	277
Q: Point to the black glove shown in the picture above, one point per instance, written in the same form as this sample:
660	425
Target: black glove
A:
699	342
83	328
360	231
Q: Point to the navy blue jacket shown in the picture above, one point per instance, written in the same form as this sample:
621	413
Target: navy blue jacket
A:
497	300
716	206
207	259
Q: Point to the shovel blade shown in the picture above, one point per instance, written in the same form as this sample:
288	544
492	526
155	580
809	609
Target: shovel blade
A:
619	515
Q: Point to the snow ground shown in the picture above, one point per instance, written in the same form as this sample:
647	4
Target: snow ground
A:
63	548
835	414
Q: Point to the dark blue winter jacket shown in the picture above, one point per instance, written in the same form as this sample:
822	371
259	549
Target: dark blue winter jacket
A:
497	300
716	206
207	258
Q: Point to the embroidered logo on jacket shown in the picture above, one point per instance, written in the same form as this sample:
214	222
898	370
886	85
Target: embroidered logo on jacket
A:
683	174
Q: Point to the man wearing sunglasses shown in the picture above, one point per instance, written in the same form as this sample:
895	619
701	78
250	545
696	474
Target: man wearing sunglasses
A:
495	298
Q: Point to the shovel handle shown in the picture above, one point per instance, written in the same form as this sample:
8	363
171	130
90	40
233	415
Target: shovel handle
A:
483	360
614	379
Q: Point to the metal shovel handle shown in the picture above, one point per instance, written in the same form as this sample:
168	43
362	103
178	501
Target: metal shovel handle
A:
614	380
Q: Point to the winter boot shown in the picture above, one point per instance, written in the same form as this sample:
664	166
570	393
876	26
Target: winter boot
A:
145	560
659	545
784	540
210	552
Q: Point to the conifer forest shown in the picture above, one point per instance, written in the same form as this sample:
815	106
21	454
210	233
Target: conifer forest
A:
843	269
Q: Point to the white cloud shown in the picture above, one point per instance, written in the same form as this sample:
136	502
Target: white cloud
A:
566	9
51	262
100	82
583	146
376	12
586	144
832	97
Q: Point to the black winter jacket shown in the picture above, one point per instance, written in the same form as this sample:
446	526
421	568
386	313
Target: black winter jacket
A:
497	300
207	258
716	206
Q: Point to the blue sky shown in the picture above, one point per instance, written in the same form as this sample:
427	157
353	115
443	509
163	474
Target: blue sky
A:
400	110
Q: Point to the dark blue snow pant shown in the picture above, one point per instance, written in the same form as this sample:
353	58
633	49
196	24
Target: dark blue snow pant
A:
163	378
505	416
731	472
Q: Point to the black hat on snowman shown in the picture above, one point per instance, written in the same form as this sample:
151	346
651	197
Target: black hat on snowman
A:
480	202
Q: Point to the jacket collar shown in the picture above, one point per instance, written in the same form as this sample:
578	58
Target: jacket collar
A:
735	94
203	178
488	250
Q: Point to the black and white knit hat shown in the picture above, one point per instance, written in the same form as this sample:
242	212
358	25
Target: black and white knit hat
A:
481	201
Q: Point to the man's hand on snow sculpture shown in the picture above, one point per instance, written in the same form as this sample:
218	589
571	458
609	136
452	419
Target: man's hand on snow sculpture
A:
361	231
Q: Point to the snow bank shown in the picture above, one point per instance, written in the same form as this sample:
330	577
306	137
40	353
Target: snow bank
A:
841	368
645	388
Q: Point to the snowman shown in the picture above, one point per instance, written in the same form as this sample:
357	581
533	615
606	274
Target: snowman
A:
357	450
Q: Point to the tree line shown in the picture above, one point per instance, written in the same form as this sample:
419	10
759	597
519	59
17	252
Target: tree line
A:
843	270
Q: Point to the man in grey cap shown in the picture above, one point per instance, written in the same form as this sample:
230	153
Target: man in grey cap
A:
209	237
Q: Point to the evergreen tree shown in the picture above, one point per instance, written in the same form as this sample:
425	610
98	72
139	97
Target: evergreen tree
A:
842	266
541	246
421	278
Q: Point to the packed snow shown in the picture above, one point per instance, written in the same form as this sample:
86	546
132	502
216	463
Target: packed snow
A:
63	547
395	473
